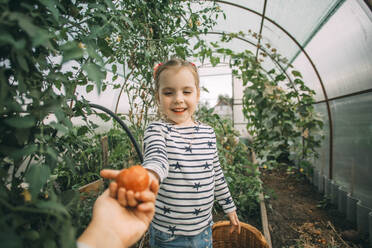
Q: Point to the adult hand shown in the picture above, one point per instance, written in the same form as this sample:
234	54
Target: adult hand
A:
113	225
234	222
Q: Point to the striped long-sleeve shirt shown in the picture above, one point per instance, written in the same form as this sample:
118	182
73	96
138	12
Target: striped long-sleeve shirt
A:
186	161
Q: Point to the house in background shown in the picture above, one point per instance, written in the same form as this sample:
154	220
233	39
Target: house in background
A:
223	108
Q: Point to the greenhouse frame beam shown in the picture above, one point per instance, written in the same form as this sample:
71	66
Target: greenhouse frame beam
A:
346	96
323	21
272	59
261	26
315	70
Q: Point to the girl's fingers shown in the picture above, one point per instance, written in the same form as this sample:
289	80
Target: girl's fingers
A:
154	186
113	189
131	200
145	196
109	174
146	207
234	222
122	197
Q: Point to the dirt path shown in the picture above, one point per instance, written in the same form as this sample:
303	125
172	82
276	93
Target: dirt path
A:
300	217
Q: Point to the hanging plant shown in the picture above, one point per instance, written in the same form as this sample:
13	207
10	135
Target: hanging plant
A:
278	107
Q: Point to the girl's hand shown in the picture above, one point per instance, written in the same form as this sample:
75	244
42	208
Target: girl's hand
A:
128	198
234	222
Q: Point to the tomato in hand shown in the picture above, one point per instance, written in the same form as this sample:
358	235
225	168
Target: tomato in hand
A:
135	178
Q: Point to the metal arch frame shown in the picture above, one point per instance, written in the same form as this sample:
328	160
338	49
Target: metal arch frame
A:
260	48
224	63
261	26
315	70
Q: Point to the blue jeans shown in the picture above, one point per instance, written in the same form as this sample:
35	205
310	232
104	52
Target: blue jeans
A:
159	239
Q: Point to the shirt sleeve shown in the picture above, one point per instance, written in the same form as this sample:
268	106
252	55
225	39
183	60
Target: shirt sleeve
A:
82	245
221	191
155	155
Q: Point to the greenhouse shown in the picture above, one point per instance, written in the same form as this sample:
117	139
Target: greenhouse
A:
243	123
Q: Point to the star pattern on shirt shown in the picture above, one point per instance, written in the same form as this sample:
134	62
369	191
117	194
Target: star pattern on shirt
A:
158	150
222	179
197	128
206	166
188	149
228	200
150	127
197	211
210	144
172	229
166	210
197	186
176	166
169	129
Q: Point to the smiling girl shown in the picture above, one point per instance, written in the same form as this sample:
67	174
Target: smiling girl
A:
181	153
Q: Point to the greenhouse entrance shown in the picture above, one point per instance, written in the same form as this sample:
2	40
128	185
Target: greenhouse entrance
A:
241	115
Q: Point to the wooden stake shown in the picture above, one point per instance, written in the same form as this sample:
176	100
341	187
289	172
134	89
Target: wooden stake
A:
104	145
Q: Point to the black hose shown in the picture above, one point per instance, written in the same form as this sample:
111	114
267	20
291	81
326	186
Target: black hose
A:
122	124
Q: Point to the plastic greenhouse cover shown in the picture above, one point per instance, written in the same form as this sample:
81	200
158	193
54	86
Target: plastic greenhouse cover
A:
352	145
299	18
344	62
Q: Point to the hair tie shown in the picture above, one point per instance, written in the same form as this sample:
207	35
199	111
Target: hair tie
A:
192	64
156	68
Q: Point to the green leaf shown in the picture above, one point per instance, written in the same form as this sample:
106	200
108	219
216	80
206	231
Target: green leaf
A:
95	74
127	20
71	51
31	235
280	77
51	6
92	51
37	176
20	153
52	205
114	68
181	40
22	62
49	243
82	130
52	152
104	116
9	239
197	45
89	88
60	128
297	74
110	4
6	38
21	122
22	135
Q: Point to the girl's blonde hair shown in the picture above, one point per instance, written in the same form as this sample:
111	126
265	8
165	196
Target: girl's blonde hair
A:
175	63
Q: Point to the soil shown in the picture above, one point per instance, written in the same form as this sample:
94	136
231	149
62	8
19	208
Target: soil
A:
299	216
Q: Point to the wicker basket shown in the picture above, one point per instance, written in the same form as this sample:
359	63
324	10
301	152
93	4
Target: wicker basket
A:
249	236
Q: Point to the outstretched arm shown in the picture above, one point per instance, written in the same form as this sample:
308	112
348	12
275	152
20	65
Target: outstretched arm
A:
115	226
